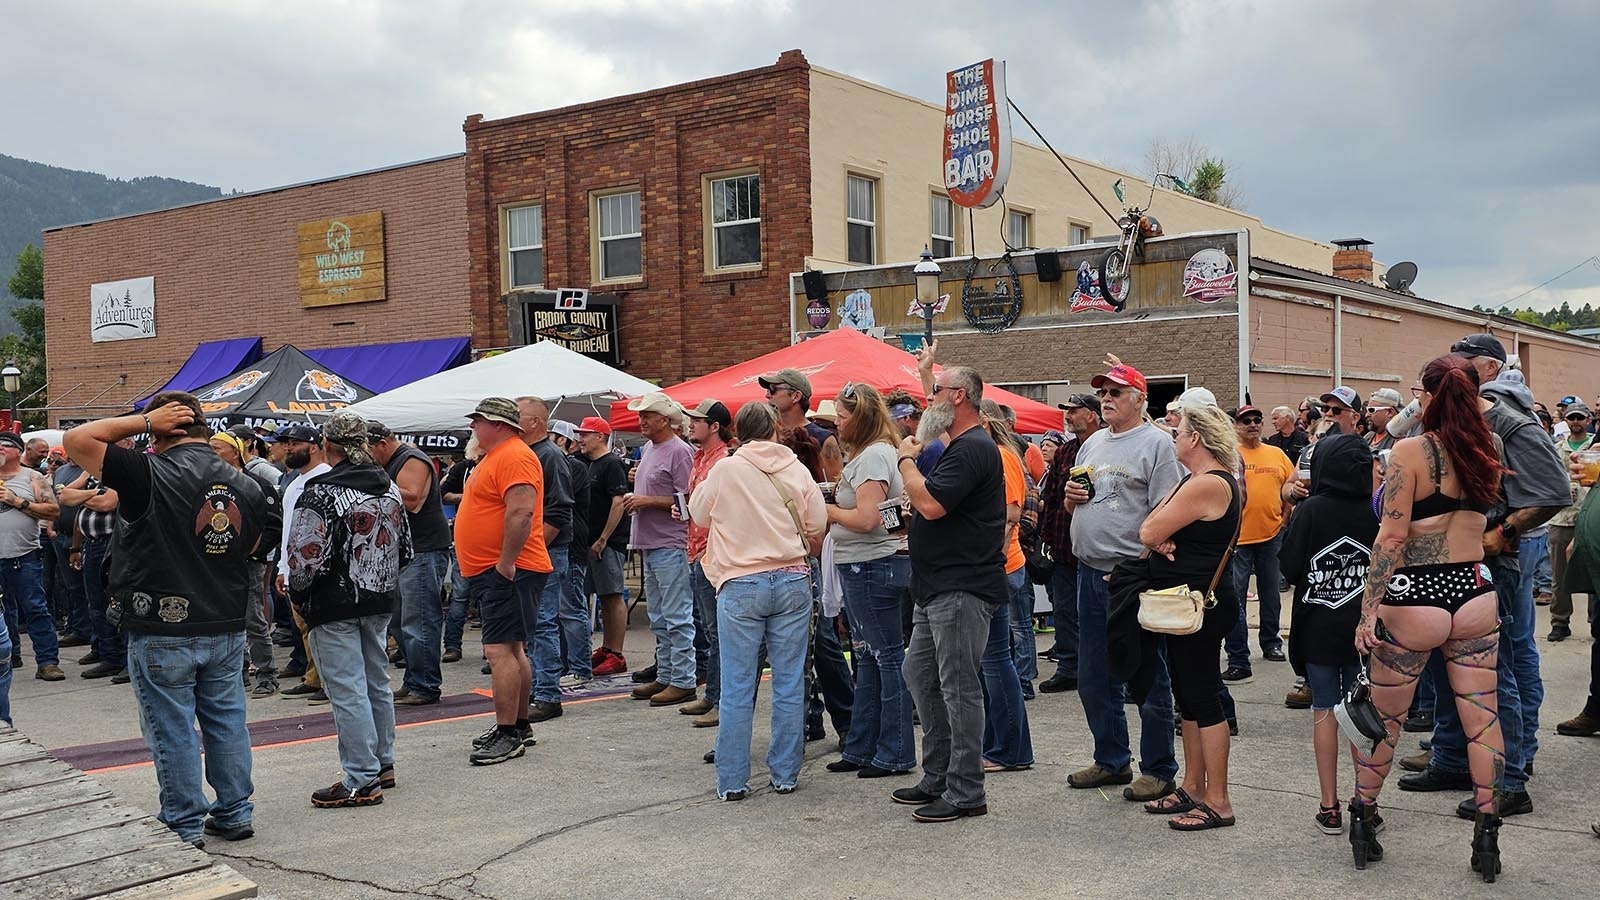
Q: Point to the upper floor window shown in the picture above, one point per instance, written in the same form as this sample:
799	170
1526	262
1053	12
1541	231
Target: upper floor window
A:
1019	226
736	221
621	251
943	227
1077	234
861	219
525	245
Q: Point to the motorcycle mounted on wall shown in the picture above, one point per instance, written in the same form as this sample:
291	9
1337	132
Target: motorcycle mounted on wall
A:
1137	225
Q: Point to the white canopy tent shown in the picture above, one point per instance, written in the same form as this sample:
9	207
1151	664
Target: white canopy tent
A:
574	385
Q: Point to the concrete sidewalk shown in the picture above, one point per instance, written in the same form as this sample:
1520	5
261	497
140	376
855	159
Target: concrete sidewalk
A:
615	803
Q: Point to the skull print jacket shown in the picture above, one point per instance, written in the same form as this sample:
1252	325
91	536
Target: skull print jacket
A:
348	540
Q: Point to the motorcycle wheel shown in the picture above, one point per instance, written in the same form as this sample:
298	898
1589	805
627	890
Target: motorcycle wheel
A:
1114	277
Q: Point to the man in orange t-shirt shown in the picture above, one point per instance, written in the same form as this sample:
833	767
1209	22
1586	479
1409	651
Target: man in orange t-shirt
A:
500	548
1266	471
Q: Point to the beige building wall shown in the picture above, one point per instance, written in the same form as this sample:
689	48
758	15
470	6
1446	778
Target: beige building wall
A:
861	128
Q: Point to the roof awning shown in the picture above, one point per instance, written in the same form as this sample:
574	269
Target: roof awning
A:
209	362
384	367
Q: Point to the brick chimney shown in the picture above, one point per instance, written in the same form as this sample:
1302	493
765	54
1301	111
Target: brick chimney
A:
1353	260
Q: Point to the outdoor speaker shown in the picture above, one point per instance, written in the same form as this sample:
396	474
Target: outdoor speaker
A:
815	289
1047	264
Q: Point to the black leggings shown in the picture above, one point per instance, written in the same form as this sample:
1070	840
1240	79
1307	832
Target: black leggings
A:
1192	663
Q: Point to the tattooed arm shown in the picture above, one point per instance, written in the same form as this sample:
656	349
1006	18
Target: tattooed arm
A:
1391	547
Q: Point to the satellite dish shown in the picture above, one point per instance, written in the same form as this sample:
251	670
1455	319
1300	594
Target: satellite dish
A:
1400	276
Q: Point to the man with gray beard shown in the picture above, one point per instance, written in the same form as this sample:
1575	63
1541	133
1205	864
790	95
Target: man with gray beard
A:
957	545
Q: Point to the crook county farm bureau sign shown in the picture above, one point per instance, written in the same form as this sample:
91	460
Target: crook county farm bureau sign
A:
341	260
977	134
122	310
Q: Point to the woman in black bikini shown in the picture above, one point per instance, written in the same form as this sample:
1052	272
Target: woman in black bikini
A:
1428	588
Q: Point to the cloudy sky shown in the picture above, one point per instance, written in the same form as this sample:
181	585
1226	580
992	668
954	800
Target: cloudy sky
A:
1461	134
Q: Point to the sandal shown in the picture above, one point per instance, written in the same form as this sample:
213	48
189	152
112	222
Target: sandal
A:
1174	803
1201	818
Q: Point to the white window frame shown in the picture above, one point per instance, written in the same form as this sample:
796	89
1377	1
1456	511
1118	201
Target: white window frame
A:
512	250
1077	226
601	238
711	217
1026	218
934	202
872	223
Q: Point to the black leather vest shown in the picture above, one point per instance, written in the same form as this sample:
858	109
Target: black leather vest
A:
182	568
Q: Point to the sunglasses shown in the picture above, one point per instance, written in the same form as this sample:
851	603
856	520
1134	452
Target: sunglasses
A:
1250	420
1110	392
1373	409
946	387
774	388
1577	418
1338	410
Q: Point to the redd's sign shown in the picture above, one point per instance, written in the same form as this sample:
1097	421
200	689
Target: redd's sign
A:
977	134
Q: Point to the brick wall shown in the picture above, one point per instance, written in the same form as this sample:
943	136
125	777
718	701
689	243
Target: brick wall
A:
229	269
1204	349
677	321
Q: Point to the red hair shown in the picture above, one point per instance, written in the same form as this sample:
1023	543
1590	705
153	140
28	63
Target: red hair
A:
1454	416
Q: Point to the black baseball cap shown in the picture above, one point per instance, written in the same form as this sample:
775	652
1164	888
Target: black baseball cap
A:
1475	345
300	431
377	431
1081	401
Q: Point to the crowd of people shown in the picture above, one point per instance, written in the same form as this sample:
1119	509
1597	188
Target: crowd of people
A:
1409	538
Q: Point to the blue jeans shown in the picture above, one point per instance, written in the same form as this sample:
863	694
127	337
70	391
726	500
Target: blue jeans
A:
577	635
456	621
670	603
1024	647
109	643
1006	739
1064	609
1103	698
1329	684
705	621
1544	580
1516	627
353	661
771	609
421	619
880	716
22	581
5	672
1262	560
177	682
76	606
544	638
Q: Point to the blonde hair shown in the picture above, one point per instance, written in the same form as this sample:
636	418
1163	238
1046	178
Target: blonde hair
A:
868	422
1216	433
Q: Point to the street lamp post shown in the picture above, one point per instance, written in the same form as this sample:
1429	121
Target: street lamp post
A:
11	380
927	272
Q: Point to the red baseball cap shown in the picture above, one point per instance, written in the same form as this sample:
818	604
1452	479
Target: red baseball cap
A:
1246	410
1127	376
596	425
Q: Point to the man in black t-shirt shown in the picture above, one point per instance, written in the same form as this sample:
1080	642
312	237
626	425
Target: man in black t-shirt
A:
577	625
958	580
608	542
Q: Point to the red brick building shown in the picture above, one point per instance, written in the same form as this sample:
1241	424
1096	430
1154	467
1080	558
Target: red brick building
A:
232	268
614	195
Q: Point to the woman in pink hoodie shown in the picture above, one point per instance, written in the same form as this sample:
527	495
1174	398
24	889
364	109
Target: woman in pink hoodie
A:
765	516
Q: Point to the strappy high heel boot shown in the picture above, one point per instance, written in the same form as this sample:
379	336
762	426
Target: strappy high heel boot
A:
1364	844
1486	846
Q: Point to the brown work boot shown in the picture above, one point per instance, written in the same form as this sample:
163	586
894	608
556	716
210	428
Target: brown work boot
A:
671	696
1416	762
1299	696
1148	787
1580	725
695	708
709	720
648	690
50	672
1098	775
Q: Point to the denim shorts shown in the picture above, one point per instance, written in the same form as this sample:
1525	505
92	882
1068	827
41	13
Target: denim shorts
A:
604	577
1329	684
508	607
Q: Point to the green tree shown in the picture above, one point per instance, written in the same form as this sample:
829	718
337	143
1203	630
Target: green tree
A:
27	349
1207	181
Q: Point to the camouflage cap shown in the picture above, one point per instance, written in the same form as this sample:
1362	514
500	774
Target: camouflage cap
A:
349	431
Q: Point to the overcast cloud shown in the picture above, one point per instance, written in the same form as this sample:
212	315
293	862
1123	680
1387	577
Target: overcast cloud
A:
1461	135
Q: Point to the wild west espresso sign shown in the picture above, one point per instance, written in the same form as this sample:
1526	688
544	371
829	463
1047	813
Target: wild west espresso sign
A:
341	260
122	310
977	134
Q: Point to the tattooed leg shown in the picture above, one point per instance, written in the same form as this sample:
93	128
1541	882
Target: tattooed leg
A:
1471	663
1394	670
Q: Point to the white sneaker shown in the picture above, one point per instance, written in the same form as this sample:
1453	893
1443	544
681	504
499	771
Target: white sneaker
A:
573	681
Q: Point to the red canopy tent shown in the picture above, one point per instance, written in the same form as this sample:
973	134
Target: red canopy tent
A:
832	361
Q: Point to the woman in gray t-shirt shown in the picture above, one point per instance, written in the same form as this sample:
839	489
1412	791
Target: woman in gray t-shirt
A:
873	571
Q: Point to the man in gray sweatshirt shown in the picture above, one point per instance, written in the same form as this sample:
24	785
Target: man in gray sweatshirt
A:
1134	469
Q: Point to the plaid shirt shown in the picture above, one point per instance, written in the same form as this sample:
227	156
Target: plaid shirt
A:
1055	523
95	525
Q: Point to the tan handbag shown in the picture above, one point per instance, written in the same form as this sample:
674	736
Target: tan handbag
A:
1182	609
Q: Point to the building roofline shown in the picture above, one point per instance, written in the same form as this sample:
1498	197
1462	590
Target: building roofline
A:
786	60
261	192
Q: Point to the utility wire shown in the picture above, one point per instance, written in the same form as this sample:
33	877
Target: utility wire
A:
1593	260
1061	159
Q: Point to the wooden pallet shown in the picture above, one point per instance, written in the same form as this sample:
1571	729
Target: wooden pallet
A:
64	836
